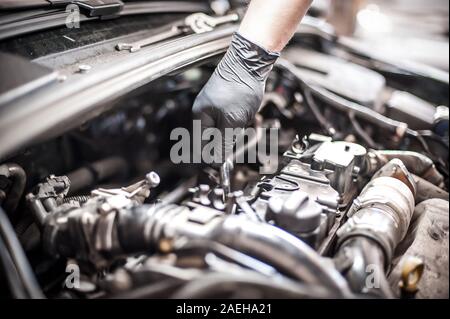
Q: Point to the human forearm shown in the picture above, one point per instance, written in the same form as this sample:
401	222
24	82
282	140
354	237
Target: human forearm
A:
234	93
272	23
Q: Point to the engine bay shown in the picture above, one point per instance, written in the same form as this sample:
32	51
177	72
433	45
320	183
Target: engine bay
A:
358	206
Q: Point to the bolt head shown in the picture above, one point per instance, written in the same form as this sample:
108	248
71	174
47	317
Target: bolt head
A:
153	179
204	189
84	68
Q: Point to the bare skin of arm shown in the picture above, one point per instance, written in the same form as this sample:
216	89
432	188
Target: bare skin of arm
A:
272	23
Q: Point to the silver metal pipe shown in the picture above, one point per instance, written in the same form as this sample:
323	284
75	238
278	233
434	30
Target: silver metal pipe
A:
379	221
384	209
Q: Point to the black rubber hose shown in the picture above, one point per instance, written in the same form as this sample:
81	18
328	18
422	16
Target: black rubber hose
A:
427	190
204	247
366	259
416	163
19	179
95	172
281	250
10	273
317	113
19	258
140	230
361	132
37	209
344	105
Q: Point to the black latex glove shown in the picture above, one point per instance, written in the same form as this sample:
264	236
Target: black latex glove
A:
234	93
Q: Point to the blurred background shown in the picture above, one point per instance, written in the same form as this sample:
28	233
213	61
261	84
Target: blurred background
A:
410	30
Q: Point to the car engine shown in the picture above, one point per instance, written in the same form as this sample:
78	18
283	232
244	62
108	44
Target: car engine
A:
357	206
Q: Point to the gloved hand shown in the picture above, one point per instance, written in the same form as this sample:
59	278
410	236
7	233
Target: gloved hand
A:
234	93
